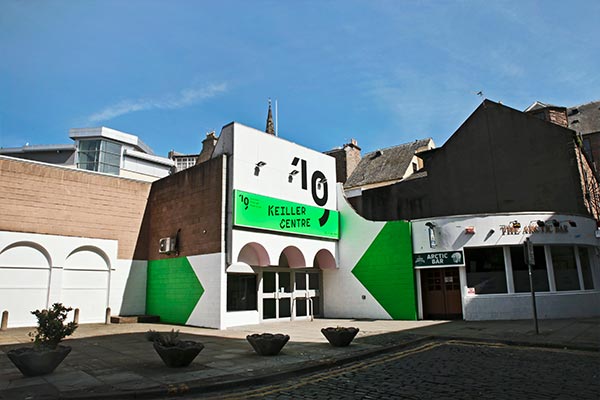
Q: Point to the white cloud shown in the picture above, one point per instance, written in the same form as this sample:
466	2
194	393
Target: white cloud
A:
184	98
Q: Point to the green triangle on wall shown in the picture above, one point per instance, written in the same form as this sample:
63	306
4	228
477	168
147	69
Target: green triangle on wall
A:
386	270
172	290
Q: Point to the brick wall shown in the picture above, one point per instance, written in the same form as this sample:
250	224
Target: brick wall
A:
47	199
589	183
188	201
558	117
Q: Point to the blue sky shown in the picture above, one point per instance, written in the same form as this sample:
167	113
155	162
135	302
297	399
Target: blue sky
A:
383	72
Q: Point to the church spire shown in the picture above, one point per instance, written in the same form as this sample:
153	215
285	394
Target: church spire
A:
270	129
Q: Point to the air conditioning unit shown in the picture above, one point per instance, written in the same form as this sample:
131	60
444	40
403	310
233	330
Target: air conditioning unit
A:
166	245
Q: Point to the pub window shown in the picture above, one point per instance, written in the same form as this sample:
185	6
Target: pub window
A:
241	292
586	269
565	268
485	270
539	271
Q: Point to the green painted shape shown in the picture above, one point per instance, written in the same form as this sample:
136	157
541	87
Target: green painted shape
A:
172	290
386	270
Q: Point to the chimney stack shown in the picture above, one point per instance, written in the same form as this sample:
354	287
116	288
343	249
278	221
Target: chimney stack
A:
208	146
346	159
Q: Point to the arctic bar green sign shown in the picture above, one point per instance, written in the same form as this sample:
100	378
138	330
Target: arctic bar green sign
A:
439	258
256	211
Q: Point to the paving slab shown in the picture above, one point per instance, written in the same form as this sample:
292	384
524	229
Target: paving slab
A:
116	361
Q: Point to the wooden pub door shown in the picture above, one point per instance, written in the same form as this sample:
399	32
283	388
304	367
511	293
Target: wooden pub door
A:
440	289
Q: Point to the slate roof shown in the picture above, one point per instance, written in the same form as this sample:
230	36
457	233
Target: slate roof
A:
384	165
585	118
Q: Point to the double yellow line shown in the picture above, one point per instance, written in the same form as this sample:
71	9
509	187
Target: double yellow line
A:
322	376
319	377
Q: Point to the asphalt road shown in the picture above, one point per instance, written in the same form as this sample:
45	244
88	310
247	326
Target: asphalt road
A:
446	370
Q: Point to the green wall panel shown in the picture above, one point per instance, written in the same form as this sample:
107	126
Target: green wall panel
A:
386	270
172	290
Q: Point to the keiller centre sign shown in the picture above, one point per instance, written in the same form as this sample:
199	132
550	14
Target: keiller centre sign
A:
262	212
441	258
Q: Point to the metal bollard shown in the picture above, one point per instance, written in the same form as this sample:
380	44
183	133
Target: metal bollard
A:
76	315
107	317
4	324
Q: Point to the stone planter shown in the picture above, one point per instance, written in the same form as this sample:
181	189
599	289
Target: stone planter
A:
35	362
180	355
340	336
267	344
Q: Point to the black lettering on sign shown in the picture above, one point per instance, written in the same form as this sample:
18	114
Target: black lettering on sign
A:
317	180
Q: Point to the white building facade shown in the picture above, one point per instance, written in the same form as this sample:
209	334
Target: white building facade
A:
473	266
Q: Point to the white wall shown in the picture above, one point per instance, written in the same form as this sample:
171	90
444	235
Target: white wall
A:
128	287
136	168
275	244
518	306
342	291
450	231
251	146
210	272
39	270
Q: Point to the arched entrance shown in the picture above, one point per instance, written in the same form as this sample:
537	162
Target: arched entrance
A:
287	281
292	290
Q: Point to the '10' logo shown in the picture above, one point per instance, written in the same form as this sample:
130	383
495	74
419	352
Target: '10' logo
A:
317	181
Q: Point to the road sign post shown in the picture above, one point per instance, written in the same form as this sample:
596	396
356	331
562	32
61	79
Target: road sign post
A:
530	260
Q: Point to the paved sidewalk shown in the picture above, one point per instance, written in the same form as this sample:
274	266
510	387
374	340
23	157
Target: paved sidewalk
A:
116	361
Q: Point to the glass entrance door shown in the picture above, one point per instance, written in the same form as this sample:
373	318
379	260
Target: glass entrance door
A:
277	295
306	296
291	294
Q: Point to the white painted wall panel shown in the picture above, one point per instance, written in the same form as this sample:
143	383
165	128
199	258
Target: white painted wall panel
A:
251	146
22	291
38	270
88	291
274	244
450	231
518	306
342	292
210	271
128	287
239	318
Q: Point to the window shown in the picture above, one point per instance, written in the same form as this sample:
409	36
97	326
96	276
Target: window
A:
184	163
241	292
300	280
565	268
586	270
485	270
539	271
99	155
587	147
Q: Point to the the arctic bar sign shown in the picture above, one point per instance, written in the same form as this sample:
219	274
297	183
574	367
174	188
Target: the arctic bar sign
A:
256	211
439	258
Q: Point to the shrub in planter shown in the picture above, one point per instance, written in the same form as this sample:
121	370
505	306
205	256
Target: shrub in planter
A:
173	351
339	336
267	344
46	353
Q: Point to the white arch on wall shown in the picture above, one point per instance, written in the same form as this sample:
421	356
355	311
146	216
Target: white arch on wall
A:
92	249
28	244
86	282
324	260
254	254
25	277
292	257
